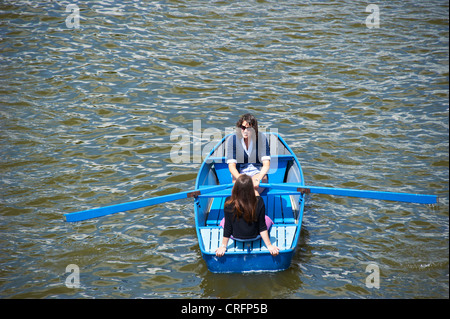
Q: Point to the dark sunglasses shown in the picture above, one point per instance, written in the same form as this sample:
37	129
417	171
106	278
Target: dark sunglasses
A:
245	127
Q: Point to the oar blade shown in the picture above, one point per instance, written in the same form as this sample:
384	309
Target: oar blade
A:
108	210
390	196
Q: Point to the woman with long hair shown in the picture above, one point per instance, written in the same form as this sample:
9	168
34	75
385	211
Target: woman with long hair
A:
245	217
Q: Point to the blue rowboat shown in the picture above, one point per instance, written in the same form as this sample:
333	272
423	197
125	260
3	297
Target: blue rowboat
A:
284	207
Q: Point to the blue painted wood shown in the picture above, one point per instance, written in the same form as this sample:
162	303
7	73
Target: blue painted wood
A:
216	212
391	196
223	173
102	211
288	212
277	210
219	193
278	165
243	262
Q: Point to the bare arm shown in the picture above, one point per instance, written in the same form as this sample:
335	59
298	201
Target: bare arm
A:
233	170
274	250
258	177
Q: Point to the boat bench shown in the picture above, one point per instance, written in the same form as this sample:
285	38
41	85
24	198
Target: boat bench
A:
281	236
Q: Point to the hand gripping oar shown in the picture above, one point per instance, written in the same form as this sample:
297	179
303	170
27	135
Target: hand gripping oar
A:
102	211
400	197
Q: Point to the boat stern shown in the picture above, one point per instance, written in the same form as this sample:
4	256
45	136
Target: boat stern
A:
249	262
248	256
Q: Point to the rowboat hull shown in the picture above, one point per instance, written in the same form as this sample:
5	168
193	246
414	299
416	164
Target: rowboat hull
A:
283	207
248	262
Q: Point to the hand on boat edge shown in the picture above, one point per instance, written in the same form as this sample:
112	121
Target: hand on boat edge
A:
221	251
274	250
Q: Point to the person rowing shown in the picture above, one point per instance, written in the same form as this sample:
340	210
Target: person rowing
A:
248	152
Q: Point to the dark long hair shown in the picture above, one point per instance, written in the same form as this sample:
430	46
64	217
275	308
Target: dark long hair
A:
243	199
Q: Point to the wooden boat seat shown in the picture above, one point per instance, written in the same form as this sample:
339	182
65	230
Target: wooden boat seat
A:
281	236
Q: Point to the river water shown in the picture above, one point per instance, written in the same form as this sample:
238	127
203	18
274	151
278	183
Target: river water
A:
88	106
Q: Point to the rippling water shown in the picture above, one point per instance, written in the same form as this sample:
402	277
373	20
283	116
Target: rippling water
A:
86	116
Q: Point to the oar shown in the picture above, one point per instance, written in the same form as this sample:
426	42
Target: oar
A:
102	211
400	197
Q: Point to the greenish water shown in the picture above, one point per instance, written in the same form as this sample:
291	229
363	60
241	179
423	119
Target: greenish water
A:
86	117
